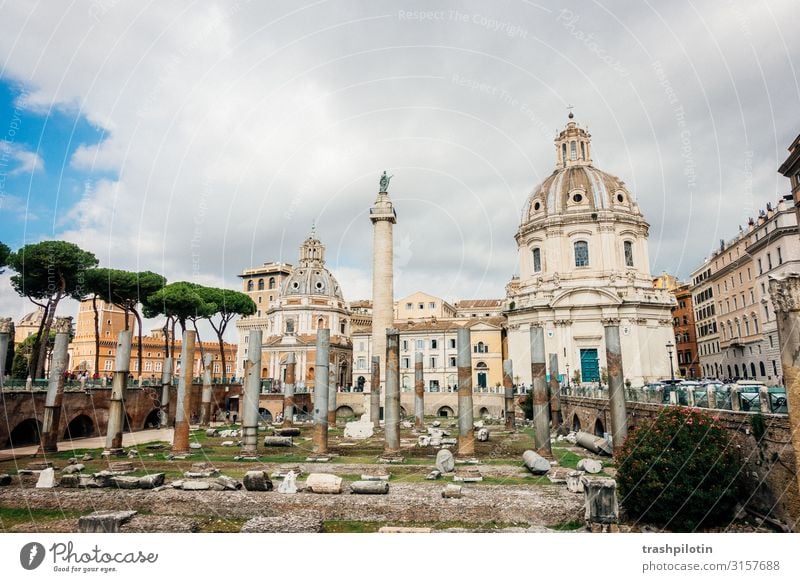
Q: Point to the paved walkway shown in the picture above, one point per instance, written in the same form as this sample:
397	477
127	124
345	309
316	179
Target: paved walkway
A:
129	439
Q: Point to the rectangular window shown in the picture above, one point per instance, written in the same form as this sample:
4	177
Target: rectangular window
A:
433	361
420	344
422	306
148	366
752	297
452	361
409	306
216	367
452	343
405	345
573	151
406	362
227	368
537	260
158	366
434	344
780	256
362	363
432	305
760	267
107	365
628	246
581	253
766	311
769	261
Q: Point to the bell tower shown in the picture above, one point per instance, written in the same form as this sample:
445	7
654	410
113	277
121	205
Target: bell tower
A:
573	145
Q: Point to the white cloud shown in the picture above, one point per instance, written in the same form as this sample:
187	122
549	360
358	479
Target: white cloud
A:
27	162
233	127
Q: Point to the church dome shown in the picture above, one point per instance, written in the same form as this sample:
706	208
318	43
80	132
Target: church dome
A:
310	276
576	186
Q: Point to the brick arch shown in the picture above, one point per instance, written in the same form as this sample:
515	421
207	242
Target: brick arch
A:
26	432
80	426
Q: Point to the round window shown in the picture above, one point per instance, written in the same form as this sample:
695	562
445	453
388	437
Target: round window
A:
620	198
295	285
577	198
537	206
319	285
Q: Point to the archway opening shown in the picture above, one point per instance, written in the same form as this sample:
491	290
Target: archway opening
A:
484	412
599	429
445	411
79	427
27	432
265	415
153	419
345	413
576	423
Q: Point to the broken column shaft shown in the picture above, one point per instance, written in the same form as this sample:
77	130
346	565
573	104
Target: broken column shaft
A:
6	333
166	381
331	400
183	411
785	295
616	388
555	393
116	406
252	390
288	390
419	392
205	406
466	435
375	392
55	388
508	388
541	418
320	437
392	405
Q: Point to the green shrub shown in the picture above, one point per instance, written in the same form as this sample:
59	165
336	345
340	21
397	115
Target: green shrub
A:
680	472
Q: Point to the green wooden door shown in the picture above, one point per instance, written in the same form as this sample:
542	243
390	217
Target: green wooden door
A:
590	366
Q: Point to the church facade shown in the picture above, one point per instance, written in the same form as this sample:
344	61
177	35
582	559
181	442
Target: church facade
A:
583	263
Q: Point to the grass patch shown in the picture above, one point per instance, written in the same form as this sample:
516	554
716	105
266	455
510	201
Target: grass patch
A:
12	516
567	526
221	525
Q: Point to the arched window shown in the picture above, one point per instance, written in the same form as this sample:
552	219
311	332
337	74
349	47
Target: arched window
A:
272	282
736	370
583	151
537	260
261	284
564	152
746	327
573	151
729	370
738	328
752	370
581	253
762	368
628	247
250	285
755	323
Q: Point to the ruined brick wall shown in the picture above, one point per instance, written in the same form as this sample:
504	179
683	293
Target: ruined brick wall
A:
770	465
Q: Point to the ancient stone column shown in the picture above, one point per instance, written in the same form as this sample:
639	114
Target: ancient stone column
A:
466	434
55	387
320	437
555	393
419	392
616	388
375	392
116	406
288	390
391	408
383	218
711	395
6	333
785	295
205	406
252	390
764	400
183	411
331	400
541	419
508	387
166	382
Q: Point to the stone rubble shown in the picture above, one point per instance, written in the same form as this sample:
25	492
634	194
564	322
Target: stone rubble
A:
47	479
590	466
324	483
445	462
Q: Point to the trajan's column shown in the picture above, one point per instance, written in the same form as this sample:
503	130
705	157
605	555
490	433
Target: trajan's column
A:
383	218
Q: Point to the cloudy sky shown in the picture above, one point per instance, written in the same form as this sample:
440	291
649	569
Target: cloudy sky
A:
200	138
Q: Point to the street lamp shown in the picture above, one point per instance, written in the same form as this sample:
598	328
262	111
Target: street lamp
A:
669	347
567	375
